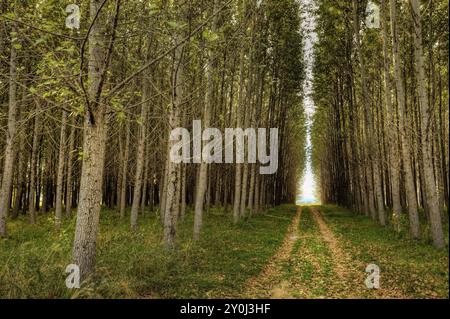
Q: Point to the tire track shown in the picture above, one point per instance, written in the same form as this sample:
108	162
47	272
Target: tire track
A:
350	273
339	256
266	284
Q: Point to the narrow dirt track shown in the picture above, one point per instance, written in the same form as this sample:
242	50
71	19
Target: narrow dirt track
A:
265	284
348	275
351	273
343	266
340	257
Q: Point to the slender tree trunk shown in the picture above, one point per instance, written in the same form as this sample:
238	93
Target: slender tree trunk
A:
20	167
90	198
244	187
203	169
33	168
405	149
123	187
163	190
140	157
8	162
393	156
172	202
183	192
372	177
145	179
60	171
257	186
251	192
69	189
84	250
238	170
426	136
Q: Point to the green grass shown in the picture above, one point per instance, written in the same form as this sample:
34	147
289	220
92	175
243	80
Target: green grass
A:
409	268
310	269
414	267
129	265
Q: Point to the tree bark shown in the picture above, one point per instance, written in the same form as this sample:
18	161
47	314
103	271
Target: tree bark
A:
8	162
69	189
238	169
426	136
140	156
393	156
33	168
372	156
172	201
60	171
123	187
21	185
405	149
85	242
203	169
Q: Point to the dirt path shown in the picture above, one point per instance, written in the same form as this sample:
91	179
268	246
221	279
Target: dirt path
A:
266	284
351	273
334	273
339	256
348	280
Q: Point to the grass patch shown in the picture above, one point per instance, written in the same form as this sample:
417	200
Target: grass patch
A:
33	259
310	268
414	267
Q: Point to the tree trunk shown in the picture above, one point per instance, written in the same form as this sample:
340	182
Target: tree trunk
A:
85	242
172	201
393	156
140	156
426	136
145	179
123	187
203	169
8	162
60	171
238	170
405	149
20	187
372	177
33	168
69	189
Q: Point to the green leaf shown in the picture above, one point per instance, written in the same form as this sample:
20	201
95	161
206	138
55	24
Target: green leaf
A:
173	24
210	36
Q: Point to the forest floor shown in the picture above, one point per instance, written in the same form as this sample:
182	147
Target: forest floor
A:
287	252
333	249
136	265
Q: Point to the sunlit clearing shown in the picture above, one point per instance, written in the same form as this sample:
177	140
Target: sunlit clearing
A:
307	191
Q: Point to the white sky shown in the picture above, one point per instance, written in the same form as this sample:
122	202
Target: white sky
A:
307	184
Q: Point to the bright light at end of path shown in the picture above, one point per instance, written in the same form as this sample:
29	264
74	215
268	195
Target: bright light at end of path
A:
307	185
307	189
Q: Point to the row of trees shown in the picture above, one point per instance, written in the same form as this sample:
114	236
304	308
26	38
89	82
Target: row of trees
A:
86	114
381	128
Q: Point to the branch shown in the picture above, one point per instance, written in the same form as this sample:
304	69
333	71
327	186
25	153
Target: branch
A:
41	30
108	55
165	53
86	98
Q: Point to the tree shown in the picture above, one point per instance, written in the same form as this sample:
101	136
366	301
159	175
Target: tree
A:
426	137
85	242
7	176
